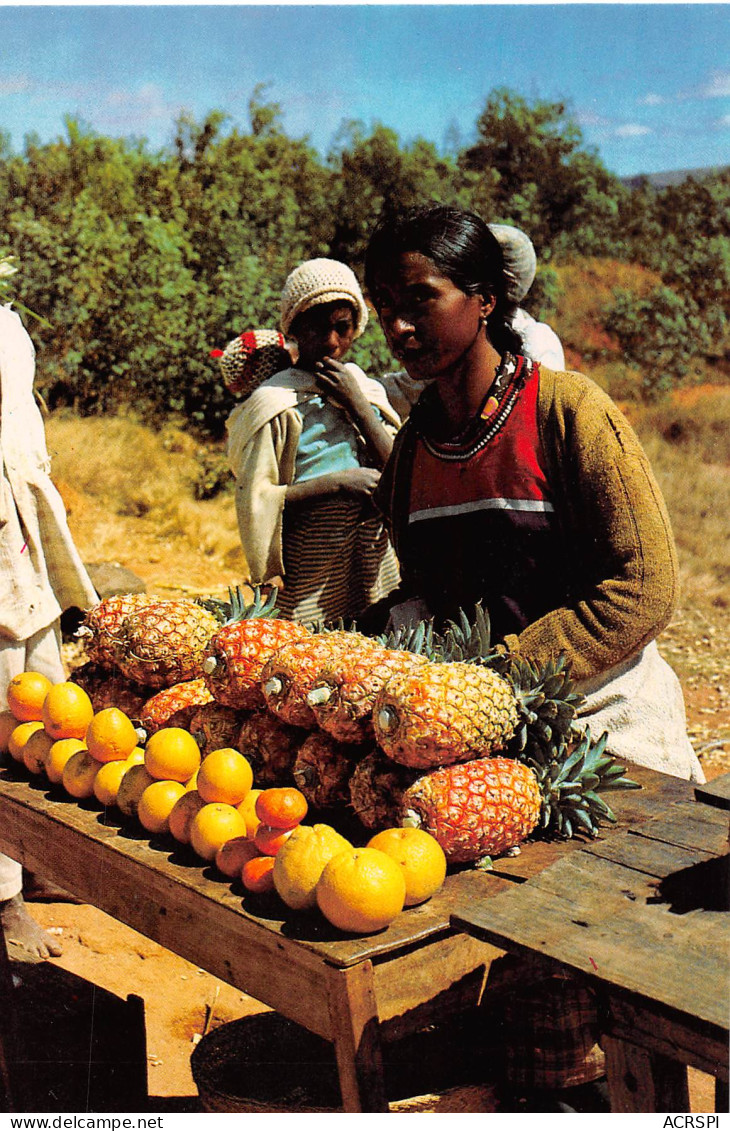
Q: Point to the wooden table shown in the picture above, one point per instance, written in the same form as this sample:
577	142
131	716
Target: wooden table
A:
353	991
644	917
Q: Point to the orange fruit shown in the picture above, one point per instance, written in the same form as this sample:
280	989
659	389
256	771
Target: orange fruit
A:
192	783
224	775
300	861
212	826
361	890
172	754
111	736
79	774
231	856
247	809
8	723
36	751
281	807
19	736
257	874
156	804
136	758
26	693
420	856
108	780
58	756
269	841
67	711
131	788
182	814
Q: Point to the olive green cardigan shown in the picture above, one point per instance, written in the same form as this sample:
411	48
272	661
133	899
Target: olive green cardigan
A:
618	544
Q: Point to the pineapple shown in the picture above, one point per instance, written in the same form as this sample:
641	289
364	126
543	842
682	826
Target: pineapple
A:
292	672
110	689
174	706
343	695
270	746
214	726
488	806
102	625
165	642
237	652
438	714
323	767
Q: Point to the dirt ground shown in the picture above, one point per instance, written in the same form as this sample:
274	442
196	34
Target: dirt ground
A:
102	957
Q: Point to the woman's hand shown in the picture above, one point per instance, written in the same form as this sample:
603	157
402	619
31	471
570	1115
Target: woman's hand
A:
359	482
355	482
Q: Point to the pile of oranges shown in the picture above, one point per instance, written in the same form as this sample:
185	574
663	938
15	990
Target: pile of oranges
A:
210	803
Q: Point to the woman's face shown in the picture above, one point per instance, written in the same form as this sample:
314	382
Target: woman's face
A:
324	331
430	324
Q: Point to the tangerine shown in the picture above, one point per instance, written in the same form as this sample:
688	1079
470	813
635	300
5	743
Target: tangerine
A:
184	810
111	736
131	788
281	807
26	693
212	826
67	711
247	809
231	856
269	841
224	775
79	774
19	736
361	890
108	780
58	756
136	758
300	861
172	754
36	751
419	855
257	874
156	803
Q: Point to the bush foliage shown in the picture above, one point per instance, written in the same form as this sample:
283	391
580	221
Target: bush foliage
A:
141	262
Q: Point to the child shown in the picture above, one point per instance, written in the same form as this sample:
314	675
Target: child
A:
306	448
41	573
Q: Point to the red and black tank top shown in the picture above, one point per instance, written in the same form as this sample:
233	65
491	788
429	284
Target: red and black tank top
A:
480	524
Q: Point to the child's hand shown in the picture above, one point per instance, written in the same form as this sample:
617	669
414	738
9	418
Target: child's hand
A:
340	383
359	482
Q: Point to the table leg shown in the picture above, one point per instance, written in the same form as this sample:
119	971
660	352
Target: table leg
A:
356	1027
643	1081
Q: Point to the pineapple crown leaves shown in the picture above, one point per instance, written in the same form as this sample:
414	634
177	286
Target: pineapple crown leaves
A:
236	608
571	784
470	642
419	638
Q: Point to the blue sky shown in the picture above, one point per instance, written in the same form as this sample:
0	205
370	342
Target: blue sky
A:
649	84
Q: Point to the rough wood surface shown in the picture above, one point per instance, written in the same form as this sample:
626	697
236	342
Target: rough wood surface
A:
715	792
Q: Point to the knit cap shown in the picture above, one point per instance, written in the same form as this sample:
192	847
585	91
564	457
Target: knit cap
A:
520	261
318	281
251	358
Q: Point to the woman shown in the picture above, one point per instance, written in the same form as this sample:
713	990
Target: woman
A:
306	448
524	489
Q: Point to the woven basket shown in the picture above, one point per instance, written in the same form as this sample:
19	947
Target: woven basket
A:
266	1063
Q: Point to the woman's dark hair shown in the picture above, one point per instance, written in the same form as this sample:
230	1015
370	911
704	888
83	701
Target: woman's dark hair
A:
460	244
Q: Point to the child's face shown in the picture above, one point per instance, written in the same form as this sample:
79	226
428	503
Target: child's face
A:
324	331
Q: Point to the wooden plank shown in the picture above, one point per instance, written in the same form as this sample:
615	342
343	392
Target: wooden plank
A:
690	825
643	854
661	1031
356	1036
715	792
645	950
640	1081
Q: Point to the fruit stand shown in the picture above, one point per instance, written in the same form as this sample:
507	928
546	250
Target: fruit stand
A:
355	991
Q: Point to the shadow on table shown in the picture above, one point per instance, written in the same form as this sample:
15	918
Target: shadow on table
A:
704	886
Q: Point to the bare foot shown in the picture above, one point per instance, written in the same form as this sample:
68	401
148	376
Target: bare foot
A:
20	929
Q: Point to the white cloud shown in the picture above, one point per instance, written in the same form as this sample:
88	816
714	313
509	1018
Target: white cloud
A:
724	120
16	85
717	86
652	100
132	108
631	129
